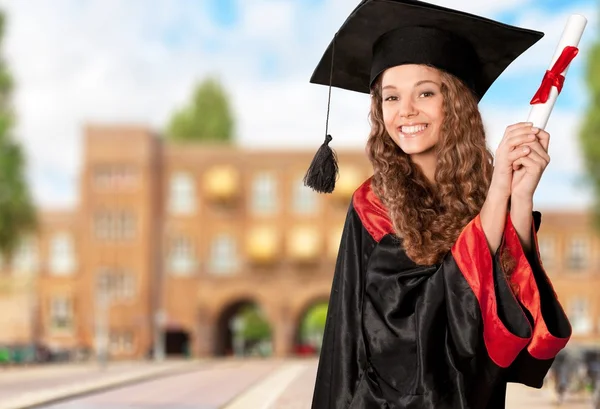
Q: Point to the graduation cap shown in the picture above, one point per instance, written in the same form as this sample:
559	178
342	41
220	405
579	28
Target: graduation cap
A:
380	34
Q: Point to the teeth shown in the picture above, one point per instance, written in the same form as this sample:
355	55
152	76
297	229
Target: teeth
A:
413	129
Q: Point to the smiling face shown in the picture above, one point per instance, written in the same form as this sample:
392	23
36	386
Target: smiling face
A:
412	107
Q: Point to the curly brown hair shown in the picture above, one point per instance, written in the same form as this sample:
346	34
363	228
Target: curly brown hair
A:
429	218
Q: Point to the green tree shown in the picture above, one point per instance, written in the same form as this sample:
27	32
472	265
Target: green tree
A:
17	213
590	133
314	322
207	118
256	327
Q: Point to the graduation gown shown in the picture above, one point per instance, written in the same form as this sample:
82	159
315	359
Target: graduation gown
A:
450	335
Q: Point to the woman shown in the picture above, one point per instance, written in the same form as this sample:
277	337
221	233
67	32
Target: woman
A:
439	297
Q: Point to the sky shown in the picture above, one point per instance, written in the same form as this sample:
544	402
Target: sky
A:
137	61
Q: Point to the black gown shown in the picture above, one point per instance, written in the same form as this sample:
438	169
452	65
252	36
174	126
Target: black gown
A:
451	335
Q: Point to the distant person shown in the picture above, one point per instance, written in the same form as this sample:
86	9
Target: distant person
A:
563	370
436	274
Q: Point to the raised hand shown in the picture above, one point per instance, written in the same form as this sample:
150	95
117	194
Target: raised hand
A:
529	169
512	148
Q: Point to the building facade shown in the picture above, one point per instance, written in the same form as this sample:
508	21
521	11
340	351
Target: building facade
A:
168	241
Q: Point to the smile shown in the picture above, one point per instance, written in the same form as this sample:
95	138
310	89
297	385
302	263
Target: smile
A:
410	131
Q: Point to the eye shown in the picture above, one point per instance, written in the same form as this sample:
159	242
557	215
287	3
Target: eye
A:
427	94
391	98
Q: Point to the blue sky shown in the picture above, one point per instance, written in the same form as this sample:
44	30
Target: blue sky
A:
226	14
136	61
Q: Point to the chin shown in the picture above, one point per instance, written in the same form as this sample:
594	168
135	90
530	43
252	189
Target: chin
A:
413	150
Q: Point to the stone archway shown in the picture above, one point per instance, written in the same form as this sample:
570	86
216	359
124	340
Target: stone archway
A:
242	329
177	342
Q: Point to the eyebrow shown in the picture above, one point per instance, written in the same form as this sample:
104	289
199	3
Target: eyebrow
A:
416	84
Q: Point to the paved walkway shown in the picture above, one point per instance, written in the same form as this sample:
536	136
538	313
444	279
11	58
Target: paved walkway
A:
210	384
28	387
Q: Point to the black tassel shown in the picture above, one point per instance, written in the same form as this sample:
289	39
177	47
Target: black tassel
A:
323	171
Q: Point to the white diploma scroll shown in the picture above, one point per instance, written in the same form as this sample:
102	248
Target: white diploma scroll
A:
571	35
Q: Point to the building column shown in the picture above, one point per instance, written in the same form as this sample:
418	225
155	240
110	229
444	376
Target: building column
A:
204	336
283	334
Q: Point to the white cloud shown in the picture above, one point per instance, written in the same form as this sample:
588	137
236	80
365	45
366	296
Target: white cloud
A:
76	64
558	190
267	20
563	127
108	61
562	183
539	56
482	8
292	115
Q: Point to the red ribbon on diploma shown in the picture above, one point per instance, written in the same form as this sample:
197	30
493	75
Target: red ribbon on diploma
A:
553	76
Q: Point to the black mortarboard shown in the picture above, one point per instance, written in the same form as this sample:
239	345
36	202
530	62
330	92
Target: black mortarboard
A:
380	34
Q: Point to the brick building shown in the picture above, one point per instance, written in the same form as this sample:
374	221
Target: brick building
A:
183	235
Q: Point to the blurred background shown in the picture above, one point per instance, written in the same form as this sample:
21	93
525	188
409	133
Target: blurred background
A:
152	154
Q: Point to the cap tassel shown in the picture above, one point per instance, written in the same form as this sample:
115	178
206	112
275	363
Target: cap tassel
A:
323	171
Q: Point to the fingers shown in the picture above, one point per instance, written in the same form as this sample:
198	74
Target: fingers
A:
517	154
525	128
523	140
538	148
519	139
539	151
544	138
534	162
530	164
522	128
518	125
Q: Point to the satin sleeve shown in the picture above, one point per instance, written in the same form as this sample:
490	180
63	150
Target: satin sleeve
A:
505	328
485	347
534	289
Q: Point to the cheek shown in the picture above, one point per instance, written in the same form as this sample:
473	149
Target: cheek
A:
388	115
438	112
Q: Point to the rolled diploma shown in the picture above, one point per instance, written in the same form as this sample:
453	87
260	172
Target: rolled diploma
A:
571	35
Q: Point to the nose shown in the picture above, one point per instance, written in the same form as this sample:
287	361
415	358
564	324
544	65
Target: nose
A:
406	108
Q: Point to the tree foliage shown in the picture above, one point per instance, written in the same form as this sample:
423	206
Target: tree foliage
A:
314	321
207	118
256	327
590	133
17	213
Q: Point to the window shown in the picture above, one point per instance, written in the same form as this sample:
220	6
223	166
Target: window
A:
547	251
62	255
114	225
123	285
182	194
120	177
101	225
121	342
127	286
125	177
223	254
579	315
578	253
102	176
26	257
128	225
304	199
117	284
61	313
181	258
264	193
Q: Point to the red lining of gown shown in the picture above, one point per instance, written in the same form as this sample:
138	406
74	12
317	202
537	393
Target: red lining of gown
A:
543	345
471	247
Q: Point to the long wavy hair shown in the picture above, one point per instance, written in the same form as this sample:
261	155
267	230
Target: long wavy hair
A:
429	218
